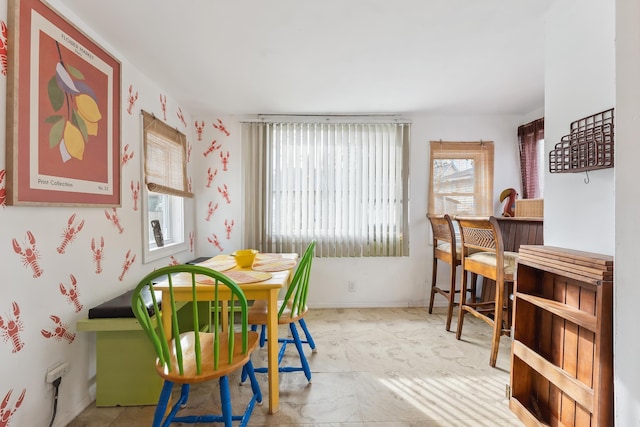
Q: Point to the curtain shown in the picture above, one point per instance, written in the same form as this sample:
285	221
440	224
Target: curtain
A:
165	165
343	184
529	136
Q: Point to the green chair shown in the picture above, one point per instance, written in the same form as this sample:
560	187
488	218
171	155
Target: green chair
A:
291	310
204	354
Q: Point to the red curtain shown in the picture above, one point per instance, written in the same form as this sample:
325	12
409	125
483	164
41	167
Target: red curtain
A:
528	137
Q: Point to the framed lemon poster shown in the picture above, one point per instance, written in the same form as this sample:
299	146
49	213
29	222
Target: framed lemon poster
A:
63	112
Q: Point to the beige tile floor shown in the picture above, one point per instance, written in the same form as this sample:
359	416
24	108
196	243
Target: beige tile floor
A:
377	367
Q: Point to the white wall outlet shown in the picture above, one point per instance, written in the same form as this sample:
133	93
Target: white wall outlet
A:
351	285
57	371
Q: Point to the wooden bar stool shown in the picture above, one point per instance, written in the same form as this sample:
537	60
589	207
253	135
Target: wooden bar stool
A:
483	255
446	250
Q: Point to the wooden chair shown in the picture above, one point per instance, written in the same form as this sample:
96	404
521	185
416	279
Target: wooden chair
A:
446	250
206	354
483	255
291	310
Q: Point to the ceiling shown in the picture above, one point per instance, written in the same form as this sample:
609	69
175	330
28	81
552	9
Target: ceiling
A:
332	56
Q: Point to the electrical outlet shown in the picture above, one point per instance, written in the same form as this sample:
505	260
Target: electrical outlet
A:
57	371
351	286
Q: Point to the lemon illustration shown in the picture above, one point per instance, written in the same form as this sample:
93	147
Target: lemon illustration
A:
89	111
73	140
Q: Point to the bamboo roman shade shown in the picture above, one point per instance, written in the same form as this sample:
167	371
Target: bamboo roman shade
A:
165	165
461	181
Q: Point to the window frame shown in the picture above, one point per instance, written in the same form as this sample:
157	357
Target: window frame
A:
177	241
482	152
173	245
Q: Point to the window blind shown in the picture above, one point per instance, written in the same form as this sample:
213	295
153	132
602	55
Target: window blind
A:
343	184
165	166
461	178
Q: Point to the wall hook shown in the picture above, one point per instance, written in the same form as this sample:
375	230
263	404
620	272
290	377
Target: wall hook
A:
586	180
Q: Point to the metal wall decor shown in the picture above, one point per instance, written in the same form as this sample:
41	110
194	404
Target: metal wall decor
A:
589	145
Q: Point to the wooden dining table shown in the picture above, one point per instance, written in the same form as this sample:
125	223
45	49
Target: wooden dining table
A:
267	289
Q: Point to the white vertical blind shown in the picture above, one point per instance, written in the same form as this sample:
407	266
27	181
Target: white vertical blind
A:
343	184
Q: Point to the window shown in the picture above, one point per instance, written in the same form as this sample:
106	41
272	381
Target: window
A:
168	211
344	184
531	144
166	186
461	178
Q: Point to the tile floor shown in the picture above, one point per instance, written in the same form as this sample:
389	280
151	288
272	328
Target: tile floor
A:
377	367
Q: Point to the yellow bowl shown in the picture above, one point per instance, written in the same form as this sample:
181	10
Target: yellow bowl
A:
245	257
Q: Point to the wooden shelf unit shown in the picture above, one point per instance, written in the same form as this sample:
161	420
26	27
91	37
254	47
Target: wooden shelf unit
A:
562	349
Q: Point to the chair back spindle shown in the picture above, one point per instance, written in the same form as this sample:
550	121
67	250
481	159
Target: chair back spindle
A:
447	250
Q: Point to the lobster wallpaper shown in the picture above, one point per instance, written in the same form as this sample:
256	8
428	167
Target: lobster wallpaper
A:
58	262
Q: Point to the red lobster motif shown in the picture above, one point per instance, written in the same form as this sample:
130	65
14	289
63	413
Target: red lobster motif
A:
132	99
181	116
210	211
126	156
174	261
191	237
210	176
224	192
213	147
214	240
135	193
225	160
11	328
228	228
3	190
113	217
69	233
5	412
29	255
60	332
163	105
3	48
127	263
72	295
221	127
98	254
199	128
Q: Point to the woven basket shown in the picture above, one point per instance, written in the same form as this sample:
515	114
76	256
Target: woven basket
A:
532	208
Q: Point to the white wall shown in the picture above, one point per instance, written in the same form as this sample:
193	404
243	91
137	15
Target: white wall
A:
627	217
380	282
579	81
592	64
218	218
39	298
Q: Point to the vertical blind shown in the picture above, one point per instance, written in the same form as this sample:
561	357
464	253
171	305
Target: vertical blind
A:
343	184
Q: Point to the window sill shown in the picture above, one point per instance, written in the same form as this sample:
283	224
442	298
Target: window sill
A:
154	254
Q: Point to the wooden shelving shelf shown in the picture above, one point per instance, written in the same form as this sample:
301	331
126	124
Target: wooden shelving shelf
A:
562	350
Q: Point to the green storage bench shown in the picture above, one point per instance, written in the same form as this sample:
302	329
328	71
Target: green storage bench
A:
125	373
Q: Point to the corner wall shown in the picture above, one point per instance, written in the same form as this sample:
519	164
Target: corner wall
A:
626	289
579	81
